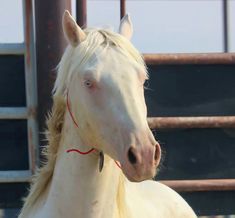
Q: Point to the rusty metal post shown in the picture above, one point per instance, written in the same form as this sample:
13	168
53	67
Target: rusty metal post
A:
122	8
81	13
50	44
30	84
225	25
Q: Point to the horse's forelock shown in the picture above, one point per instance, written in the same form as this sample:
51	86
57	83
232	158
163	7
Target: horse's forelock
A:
74	59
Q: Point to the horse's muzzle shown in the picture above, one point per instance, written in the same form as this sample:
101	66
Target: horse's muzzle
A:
141	162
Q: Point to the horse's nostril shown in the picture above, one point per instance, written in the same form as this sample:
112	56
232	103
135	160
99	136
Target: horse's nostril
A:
157	154
131	156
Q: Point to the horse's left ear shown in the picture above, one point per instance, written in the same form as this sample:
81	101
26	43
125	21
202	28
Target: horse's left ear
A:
73	33
126	28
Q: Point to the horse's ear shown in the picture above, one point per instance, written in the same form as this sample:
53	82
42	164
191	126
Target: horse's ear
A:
73	33
126	28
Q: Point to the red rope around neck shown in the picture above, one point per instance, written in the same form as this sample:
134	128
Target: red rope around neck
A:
80	152
69	109
76	124
88	152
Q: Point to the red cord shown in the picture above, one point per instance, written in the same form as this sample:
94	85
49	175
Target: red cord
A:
70	112
118	164
88	152
80	152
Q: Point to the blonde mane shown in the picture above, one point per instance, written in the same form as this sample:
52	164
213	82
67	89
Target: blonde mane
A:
43	175
72	61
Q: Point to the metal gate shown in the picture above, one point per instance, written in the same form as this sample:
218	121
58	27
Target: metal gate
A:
22	119
204	193
199	146
27	112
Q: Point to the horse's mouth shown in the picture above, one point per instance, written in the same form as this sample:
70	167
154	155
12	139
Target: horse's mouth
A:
139	175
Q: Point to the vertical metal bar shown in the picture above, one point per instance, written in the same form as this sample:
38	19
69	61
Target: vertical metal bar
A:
30	81
50	45
122	8
225	25
81	13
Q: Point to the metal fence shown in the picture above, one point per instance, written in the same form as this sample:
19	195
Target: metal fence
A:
27	49
29	113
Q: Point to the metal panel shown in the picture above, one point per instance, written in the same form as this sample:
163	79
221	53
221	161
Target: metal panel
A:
12	48
13	113
14	145
190	90
30	81
12	82
192	154
212	202
11	195
15	176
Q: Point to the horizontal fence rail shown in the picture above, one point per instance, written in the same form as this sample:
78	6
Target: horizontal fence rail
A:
12	176
218	216
201	185
13	113
191	122
17	112
12	48
203	58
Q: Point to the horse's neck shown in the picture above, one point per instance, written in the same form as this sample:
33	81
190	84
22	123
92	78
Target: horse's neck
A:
78	189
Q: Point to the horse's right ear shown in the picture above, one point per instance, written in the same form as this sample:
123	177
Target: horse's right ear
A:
126	27
73	33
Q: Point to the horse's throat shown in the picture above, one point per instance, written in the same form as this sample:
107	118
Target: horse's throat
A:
78	187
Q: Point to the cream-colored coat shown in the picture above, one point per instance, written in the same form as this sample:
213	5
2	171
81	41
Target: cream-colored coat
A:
107	101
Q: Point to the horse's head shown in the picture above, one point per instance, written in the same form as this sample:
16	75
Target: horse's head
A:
105	79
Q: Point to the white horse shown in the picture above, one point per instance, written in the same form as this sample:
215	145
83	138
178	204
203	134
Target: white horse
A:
99	117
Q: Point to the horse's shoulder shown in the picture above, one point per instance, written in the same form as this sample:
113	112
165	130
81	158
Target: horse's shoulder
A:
163	199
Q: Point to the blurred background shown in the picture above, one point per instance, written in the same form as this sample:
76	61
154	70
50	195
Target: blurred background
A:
161	26
189	48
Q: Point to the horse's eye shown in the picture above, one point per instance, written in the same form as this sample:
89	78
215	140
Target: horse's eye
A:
88	83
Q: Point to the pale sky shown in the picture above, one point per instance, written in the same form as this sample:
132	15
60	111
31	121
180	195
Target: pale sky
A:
160	26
